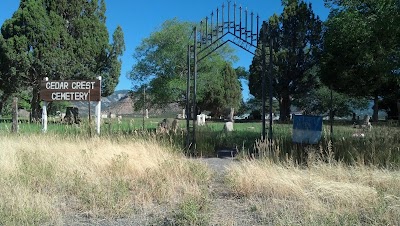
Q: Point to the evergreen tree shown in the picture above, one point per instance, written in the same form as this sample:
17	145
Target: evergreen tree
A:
297	36
60	40
222	91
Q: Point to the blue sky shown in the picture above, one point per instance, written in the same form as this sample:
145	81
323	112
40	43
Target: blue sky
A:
138	18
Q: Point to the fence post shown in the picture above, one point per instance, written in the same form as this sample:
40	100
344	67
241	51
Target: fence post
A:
14	126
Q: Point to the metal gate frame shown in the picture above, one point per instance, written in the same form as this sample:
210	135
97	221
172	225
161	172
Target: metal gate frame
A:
210	37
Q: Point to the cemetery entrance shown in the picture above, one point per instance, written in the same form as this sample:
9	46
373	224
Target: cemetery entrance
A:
229	24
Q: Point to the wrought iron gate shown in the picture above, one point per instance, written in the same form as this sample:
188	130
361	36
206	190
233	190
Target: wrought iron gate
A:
241	29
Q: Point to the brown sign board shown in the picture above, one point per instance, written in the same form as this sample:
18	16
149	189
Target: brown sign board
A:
70	90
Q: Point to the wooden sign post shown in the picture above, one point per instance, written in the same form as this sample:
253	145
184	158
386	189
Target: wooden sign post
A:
71	90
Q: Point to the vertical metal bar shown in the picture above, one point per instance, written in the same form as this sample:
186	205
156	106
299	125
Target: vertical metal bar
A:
195	91
234	18
222	17
240	23
245	24
206	30
212	15
258	27
251	29
188	100
270	90
229	16
201	32
217	27
264	68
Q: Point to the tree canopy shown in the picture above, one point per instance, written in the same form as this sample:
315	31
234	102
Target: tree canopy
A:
318	102
361	48
60	40
297	37
161	66
221	91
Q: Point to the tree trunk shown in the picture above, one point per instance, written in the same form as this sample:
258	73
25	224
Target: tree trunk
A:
284	108
35	105
376	109
231	114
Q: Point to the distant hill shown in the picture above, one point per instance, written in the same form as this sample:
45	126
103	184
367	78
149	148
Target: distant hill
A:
120	103
106	102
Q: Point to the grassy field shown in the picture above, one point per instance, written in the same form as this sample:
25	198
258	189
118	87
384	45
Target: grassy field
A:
321	194
379	147
50	179
46	178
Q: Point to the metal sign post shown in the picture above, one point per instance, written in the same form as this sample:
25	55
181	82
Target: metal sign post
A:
98	110
44	112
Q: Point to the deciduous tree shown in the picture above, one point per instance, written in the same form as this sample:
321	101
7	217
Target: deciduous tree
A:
161	65
362	48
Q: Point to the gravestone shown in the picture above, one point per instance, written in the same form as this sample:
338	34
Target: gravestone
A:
366	125
228	127
175	125
72	115
164	126
201	120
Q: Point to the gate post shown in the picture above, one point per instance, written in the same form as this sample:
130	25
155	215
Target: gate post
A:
195	90
264	69
187	145
270	135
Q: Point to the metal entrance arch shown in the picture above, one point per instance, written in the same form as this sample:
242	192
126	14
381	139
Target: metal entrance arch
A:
213	32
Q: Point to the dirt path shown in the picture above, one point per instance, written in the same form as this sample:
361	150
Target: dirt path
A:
224	208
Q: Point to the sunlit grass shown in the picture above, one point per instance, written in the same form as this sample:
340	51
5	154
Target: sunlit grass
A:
43	177
320	193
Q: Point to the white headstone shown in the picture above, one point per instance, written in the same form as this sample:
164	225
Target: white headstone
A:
199	122
203	119
228	127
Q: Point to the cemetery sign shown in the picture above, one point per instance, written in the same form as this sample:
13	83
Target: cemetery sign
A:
70	90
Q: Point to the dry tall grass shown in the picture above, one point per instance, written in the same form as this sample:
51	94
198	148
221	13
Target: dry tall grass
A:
320	194
44	178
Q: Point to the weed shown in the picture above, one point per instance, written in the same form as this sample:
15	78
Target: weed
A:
191	211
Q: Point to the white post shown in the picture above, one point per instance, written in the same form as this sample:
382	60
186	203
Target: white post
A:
44	113
98	111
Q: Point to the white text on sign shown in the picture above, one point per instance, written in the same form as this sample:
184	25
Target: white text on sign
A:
74	85
70	96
